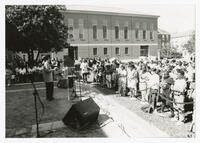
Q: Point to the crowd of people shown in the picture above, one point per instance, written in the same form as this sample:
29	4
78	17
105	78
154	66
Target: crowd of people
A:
162	85
21	73
169	82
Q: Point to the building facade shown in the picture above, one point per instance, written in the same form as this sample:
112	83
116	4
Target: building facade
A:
106	34
164	39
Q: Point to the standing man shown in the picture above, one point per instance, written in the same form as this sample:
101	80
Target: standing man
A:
179	96
84	70
154	82
166	85
48	78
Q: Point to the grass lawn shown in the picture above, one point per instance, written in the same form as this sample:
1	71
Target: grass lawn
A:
20	111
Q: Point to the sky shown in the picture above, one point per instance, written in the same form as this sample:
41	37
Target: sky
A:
175	15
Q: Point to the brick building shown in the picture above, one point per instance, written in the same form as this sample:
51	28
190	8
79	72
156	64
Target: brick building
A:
107	32
164	39
103	32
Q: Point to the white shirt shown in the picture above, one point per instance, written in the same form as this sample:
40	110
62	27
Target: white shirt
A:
154	81
84	67
123	73
180	85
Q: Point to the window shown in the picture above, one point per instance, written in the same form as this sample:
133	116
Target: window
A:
126	50
169	38
137	34
144	35
151	35
117	51
104	32
70	35
126	32
94	32
116	32
105	51
144	51
94	51
165	38
81	33
81	28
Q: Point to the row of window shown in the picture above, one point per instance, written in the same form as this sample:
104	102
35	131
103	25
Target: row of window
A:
143	51
117	32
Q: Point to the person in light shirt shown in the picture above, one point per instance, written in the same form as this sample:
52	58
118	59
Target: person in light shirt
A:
179	96
154	81
48	78
143	76
132	79
122	73
84	70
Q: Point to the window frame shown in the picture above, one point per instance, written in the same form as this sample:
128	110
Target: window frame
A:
117	49
105	48
94	32
105	33
151	35
137	34
95	53
126	33
143	53
71	32
117	32
144	34
81	31
126	53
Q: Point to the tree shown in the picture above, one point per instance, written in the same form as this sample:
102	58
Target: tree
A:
170	52
190	45
35	27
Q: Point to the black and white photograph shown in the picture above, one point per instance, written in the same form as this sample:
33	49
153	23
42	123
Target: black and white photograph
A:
100	69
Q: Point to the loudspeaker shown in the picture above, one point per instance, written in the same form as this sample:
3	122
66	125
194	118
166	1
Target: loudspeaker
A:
81	114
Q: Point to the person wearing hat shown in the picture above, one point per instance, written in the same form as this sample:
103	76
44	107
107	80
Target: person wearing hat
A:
179	96
167	83
132	79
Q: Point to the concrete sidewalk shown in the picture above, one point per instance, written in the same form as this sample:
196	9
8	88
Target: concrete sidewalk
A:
129	122
109	127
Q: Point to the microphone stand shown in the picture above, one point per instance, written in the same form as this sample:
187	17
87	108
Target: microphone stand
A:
35	94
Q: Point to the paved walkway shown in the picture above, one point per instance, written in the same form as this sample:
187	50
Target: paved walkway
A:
129	122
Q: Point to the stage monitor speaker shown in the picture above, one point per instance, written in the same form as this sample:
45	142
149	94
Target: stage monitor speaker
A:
82	114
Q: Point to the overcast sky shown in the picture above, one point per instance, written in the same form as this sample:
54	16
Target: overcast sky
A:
175	15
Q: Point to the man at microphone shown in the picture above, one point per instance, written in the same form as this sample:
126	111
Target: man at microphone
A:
48	77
